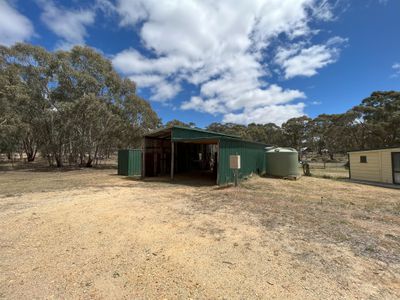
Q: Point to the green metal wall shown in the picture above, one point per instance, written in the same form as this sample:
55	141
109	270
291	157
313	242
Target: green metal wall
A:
130	162
137	162
252	159
252	154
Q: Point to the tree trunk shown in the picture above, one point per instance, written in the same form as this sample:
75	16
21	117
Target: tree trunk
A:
81	157
59	161
95	155
89	162
30	149
31	155
50	160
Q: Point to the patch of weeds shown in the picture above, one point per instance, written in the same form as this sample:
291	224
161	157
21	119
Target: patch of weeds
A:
396	208
339	222
371	248
8	195
250	187
382	250
211	230
360	216
270	223
340	236
308	257
313	259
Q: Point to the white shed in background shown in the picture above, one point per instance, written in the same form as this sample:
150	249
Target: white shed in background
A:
378	165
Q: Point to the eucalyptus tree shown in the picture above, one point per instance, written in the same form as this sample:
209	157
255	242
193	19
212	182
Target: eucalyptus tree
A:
71	105
268	133
229	128
381	114
176	122
297	132
104	110
27	94
12	93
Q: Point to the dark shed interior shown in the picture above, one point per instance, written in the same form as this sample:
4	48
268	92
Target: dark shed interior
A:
193	154
191	157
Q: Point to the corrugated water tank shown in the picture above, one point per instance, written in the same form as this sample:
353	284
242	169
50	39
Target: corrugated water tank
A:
282	162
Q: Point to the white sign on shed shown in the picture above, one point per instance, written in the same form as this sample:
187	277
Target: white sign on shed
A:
234	162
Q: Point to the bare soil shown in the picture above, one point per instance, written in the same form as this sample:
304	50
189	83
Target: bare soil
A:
87	234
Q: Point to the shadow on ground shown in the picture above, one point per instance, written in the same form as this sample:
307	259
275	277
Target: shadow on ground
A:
194	179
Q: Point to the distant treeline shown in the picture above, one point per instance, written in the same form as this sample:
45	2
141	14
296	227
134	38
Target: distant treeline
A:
375	123
71	106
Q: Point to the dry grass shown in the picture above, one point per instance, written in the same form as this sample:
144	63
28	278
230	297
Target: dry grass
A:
92	234
330	173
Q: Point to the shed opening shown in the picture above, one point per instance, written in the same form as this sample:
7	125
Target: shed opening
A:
193	153
182	160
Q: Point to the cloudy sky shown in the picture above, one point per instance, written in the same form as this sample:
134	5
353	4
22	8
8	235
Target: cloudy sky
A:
236	61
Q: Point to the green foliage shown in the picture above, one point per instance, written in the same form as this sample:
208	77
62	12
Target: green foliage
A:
375	123
176	122
74	108
269	133
381	113
70	105
297	131
229	128
266	133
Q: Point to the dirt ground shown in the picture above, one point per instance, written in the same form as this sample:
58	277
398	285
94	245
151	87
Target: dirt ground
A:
92	234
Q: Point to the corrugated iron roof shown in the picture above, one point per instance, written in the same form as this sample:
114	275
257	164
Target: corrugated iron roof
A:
374	149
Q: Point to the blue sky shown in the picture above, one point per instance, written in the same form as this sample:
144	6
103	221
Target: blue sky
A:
233	61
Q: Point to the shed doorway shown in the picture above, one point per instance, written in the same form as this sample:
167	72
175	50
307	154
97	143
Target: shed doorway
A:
182	160
195	161
396	167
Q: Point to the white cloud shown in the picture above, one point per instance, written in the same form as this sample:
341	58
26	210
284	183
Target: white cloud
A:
220	47
14	27
105	6
211	106
316	102
225	101
146	80
132	61
298	60
160	87
324	10
164	90
396	68
70	25
277	114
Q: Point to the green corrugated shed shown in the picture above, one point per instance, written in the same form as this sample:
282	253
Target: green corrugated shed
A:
252	154
252	158
130	162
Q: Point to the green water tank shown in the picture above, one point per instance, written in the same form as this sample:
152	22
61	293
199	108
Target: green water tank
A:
281	162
